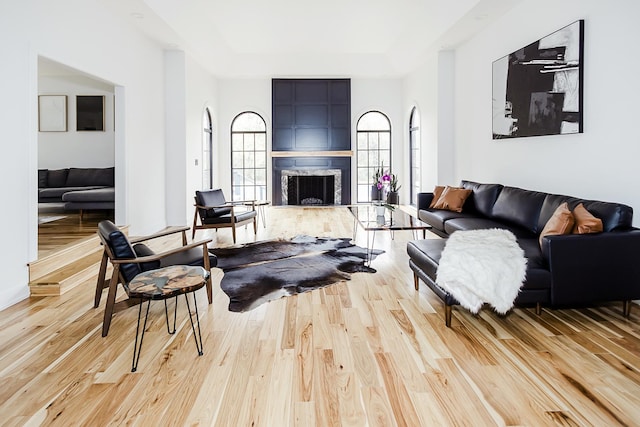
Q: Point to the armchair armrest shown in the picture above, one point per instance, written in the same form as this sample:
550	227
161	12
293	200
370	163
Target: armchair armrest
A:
587	268
424	200
158	256
163	233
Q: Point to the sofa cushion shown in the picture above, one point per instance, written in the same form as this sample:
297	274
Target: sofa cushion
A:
477	223
91	195
437	218
57	177
437	192
59	192
585	223
79	177
452	199
520	207
614	216
561	222
42	178
482	197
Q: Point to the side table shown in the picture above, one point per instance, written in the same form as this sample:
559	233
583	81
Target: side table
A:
161	284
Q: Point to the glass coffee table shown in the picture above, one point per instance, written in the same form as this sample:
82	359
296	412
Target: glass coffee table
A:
372	218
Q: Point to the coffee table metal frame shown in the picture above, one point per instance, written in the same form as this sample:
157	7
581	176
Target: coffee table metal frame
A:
392	219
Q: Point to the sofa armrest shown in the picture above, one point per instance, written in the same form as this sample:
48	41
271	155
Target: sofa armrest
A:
590	268
424	200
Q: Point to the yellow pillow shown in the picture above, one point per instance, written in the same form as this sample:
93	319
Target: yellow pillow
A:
452	199
437	192
561	222
585	222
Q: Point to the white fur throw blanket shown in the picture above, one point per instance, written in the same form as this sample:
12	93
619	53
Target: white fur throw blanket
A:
482	266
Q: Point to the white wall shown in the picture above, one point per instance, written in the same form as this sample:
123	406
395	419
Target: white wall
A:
72	148
600	163
201	93
83	35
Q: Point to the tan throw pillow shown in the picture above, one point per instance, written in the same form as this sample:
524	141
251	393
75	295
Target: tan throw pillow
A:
437	192
561	222
585	222
452	199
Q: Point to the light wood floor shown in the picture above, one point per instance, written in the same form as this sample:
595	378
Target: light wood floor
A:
371	351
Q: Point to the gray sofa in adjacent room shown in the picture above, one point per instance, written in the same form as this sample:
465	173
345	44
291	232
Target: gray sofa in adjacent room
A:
78	188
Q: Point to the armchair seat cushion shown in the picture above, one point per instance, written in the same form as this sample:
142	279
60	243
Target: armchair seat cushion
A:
226	219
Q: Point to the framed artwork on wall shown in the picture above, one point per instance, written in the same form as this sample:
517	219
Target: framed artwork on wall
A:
90	112
52	113
538	89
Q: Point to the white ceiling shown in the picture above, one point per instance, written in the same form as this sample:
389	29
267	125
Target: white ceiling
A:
357	38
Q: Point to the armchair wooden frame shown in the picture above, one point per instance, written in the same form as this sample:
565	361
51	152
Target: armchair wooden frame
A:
232	223
112	306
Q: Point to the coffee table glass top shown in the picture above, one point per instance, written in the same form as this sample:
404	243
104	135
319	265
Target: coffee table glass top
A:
392	218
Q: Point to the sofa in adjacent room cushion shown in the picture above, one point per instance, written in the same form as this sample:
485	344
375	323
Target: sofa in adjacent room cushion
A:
452	199
57	178
585	222
90	177
437	192
42	178
561	222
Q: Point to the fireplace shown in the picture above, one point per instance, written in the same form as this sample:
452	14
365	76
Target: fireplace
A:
311	187
310	190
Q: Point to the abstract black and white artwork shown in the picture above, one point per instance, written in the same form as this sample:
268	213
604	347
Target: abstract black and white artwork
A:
537	90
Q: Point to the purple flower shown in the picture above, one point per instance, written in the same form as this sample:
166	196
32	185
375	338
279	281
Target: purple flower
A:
386	177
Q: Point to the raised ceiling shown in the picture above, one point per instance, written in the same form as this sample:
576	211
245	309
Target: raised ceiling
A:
358	38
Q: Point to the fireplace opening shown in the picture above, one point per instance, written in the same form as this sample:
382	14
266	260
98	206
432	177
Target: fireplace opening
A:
311	190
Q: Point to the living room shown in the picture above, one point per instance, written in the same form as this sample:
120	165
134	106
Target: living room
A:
161	92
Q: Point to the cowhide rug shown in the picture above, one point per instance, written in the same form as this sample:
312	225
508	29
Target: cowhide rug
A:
258	272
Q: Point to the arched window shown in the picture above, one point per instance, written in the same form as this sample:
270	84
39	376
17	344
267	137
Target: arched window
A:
248	157
373	133
414	155
207	150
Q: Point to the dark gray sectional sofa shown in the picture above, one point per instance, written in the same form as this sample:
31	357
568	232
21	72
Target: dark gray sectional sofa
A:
572	270
79	188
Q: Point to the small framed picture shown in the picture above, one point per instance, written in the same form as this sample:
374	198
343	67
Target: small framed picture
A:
52	113
90	112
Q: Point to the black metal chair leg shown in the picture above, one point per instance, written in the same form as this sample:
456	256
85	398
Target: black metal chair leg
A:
138	347
199	345
166	316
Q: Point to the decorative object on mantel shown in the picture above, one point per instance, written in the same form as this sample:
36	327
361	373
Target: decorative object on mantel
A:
538	89
482	266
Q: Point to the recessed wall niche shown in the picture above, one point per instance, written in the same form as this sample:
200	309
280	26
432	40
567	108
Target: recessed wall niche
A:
90	112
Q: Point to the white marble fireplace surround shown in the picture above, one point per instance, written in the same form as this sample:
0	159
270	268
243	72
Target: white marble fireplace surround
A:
337	179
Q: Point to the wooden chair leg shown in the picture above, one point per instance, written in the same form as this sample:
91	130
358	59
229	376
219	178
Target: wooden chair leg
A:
233	232
207	266
255	225
100	281
111	300
538	309
626	308
447	315
416	281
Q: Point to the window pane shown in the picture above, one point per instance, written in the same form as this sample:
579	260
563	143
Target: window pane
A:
261	177
362	141
261	141
236	142
249	144
385	140
364	176
374	158
373	141
261	192
261	159
249	193
249	177
385	159
249	159
238	176
236	160
238	194
373	120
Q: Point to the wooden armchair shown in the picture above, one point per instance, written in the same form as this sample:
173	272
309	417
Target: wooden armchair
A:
131	257
213	211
